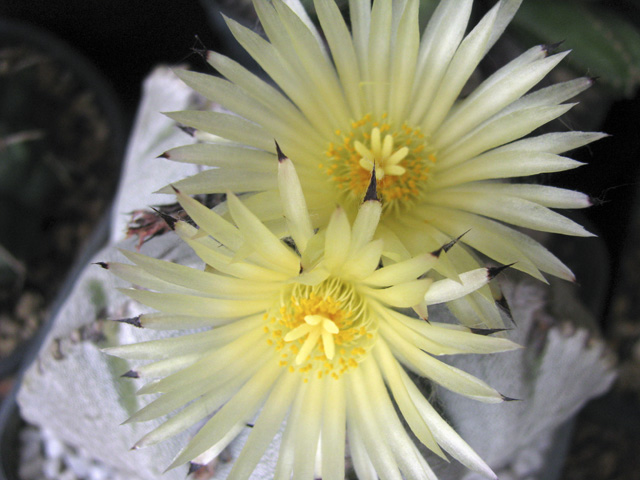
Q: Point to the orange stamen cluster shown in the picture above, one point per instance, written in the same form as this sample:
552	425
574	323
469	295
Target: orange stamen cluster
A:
403	182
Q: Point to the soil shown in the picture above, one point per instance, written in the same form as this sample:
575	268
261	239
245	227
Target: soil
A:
59	164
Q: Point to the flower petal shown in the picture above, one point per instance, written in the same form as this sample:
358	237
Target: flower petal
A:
337	240
262	240
240	408
266	426
230	127
449	377
403	295
446	290
294	204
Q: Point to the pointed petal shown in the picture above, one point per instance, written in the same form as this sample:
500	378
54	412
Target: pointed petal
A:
505	164
337	240
482	104
403	295
439	43
391	370
444	434
449	377
499	130
379	46
333	430
342	51
402	271
266	427
404	62
365	225
230	127
555	142
201	281
261	239
199	306
463	63
365	261
294	204
270	97
505	206
240	408
446	290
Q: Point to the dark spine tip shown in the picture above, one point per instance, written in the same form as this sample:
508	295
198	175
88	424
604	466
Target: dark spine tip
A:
102	264
448	246
504	306
135	321
493	272
130	374
486	331
175	189
372	189
550	48
509	399
250	425
168	219
188	130
194	467
281	156
199	47
164	155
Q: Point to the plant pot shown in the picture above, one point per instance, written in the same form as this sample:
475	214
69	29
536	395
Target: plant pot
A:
59	122
86	81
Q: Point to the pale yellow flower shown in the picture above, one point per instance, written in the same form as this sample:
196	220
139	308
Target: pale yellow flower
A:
382	94
308	331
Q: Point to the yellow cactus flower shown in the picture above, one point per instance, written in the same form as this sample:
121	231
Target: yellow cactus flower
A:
308	331
381	95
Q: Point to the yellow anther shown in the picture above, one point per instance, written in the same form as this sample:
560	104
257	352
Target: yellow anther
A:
318	329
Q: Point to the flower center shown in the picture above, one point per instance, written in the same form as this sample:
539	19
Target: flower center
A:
321	329
401	156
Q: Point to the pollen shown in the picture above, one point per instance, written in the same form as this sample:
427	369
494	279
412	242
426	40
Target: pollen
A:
400	153
322	329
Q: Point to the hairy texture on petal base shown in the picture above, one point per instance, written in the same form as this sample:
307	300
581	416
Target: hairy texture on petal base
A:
306	331
382	95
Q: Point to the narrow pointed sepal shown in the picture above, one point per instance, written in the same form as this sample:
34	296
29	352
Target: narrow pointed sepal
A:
135	321
194	467
509	399
493	272
168	219
188	130
372	189
445	290
504	306
486	331
281	156
551	48
448	246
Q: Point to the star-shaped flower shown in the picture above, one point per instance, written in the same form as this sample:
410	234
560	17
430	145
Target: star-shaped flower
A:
380	94
310	331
